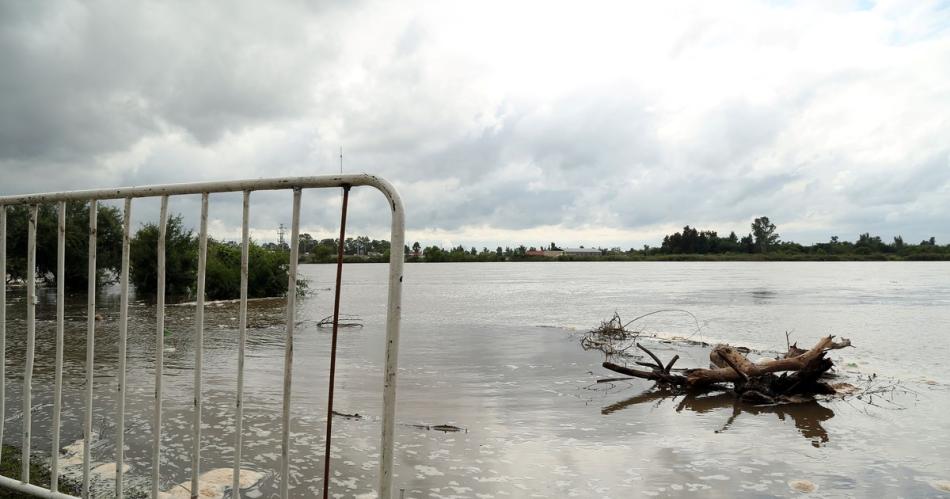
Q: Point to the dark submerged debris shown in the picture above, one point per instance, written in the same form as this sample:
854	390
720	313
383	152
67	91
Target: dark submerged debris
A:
344	415
444	428
345	321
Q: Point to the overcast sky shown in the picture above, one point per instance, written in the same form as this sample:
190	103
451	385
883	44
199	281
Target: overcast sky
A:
591	123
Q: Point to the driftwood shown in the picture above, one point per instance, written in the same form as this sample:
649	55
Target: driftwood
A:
753	382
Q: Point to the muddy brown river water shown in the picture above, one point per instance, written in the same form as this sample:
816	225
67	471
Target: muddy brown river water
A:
493	349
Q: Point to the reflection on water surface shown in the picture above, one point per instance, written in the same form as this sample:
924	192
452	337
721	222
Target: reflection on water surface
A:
807	416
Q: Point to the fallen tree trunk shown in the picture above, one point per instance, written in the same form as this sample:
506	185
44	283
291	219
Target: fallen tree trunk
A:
751	381
742	365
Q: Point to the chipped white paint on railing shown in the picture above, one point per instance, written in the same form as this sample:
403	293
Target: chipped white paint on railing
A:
159	346
90	346
58	383
199	343
123	339
242	341
289	348
30	344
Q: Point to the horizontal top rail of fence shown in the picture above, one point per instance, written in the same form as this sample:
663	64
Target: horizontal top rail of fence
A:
295	184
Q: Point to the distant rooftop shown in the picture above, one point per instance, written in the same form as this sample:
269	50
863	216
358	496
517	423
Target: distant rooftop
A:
582	250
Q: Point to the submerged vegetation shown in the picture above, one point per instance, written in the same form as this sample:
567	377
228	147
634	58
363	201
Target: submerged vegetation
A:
267	267
181	258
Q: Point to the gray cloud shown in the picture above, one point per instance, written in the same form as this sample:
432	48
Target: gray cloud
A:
904	185
83	79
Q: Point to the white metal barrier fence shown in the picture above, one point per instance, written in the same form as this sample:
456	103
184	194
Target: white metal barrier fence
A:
296	184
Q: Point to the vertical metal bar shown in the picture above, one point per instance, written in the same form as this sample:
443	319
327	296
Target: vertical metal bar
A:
159	347
30	344
242	331
90	348
199	344
336	326
123	338
58	382
393	315
3	318
289	345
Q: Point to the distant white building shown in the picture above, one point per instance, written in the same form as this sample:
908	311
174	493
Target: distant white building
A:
581	251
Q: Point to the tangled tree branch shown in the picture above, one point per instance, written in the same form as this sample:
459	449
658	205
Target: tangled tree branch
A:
611	337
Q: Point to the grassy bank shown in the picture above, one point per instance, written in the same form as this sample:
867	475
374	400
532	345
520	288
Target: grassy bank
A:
10	466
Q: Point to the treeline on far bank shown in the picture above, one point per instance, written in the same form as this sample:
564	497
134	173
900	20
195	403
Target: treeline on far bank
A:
267	272
761	243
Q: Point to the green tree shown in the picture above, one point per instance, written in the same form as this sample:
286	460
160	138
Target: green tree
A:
306	243
764	233
898	243
108	243
181	258
747	244
325	250
867	243
433	254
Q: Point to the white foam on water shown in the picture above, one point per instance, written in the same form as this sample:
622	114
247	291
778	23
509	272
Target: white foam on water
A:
804	486
714	477
428	470
108	470
214	483
941	485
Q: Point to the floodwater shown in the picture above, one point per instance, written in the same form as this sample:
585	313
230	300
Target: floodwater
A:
493	349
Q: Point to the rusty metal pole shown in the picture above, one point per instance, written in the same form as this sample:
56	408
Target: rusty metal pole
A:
336	327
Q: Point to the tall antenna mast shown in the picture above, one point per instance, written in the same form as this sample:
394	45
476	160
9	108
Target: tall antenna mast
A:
341	160
280	235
